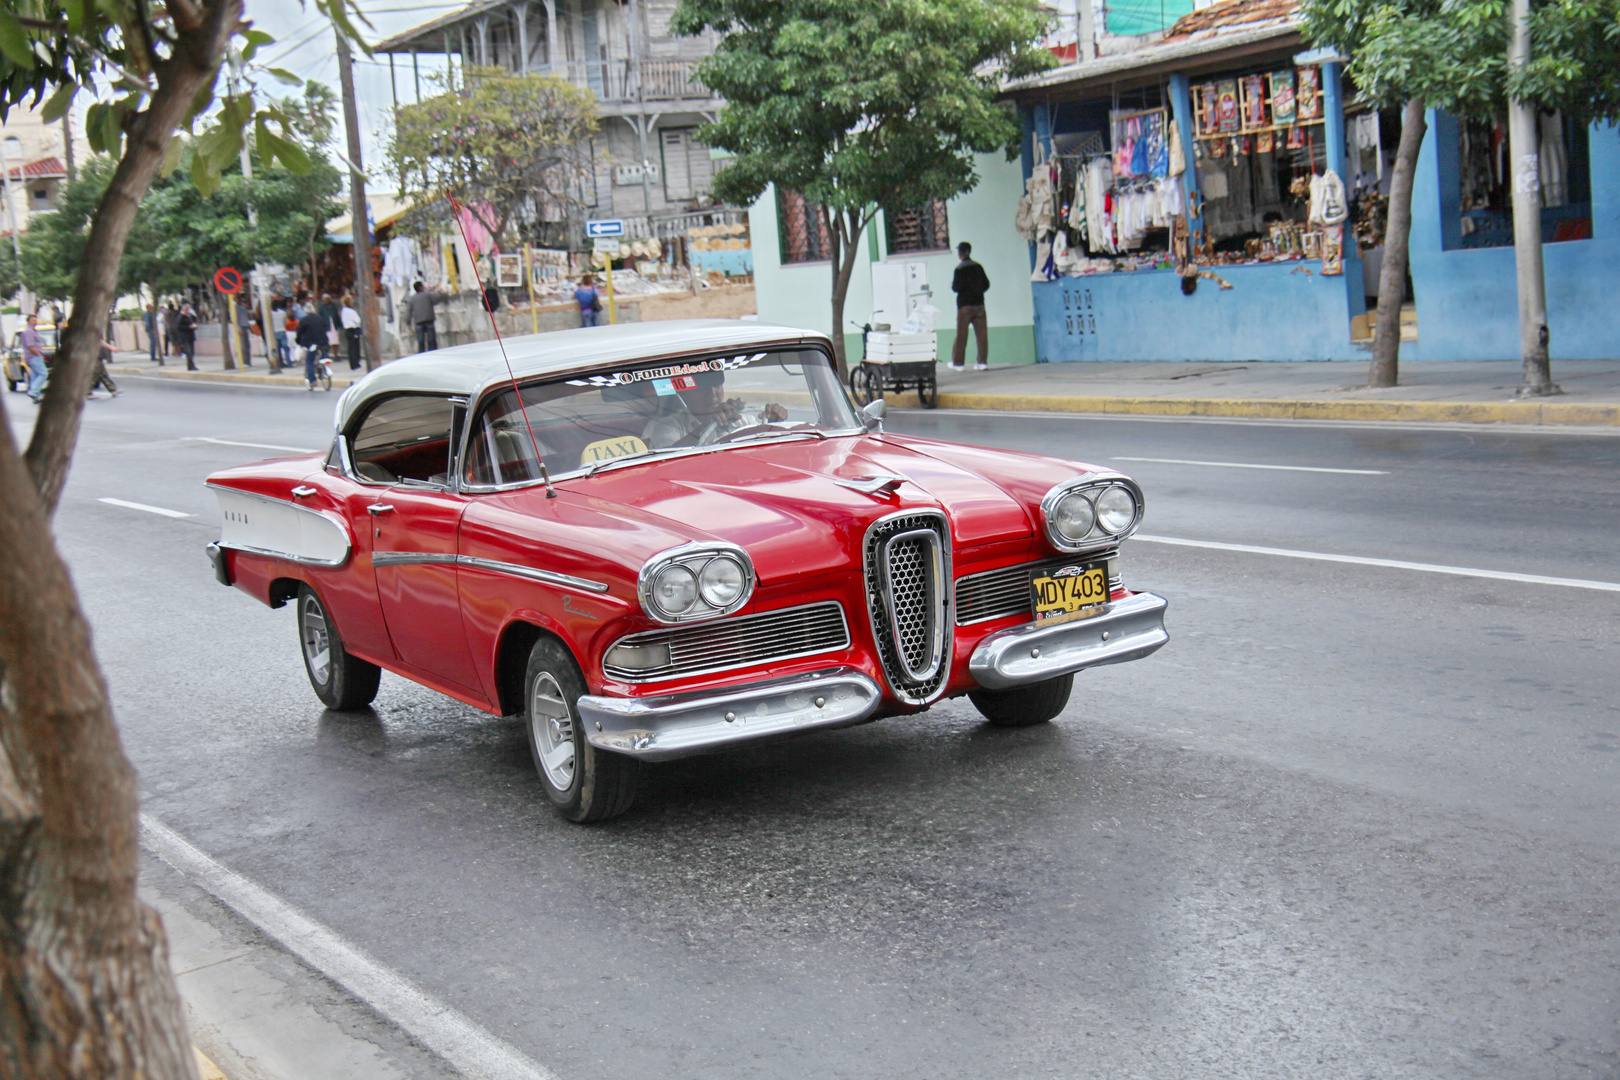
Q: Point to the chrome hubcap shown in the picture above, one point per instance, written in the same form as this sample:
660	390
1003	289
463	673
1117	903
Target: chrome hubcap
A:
317	640
553	728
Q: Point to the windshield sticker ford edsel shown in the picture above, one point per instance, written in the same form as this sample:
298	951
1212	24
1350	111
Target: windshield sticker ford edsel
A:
624	378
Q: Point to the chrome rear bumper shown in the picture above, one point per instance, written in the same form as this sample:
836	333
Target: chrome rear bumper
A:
1127	629
678	725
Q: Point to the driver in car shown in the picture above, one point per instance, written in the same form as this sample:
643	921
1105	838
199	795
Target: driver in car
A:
708	415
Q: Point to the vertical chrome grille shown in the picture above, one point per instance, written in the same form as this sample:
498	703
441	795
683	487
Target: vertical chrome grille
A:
907	571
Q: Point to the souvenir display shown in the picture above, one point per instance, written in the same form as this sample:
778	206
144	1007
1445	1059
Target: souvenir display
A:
1296	138
1332	250
1282	97
1208	110
1254	102
1263	142
1308	99
1227	94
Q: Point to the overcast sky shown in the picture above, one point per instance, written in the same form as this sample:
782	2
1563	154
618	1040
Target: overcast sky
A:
305	46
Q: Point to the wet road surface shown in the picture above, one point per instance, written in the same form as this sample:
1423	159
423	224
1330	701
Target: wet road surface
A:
1352	821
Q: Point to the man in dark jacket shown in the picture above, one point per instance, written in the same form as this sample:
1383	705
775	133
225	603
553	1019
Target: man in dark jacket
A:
420	306
970	283
312	330
185	332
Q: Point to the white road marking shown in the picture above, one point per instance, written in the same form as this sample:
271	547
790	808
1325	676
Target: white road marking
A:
462	1043
250	445
1395	564
1241	465
142	506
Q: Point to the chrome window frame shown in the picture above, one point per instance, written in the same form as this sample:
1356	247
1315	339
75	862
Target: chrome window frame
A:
345	451
476	408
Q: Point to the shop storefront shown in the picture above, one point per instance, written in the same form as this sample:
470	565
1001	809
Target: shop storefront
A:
1193	200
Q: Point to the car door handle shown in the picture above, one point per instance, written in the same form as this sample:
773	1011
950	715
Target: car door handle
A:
379	508
303	490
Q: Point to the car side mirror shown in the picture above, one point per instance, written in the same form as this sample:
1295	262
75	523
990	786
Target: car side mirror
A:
872	414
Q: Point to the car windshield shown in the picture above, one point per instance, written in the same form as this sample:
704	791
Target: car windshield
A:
588	421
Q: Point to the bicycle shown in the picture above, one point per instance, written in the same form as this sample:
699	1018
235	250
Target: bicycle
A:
323	369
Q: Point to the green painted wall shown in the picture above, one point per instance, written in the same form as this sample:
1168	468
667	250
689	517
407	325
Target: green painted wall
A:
801	294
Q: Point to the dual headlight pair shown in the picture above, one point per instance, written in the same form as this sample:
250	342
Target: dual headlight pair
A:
695	581
1089	512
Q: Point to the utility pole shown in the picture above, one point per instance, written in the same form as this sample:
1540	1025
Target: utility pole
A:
1524	145
257	279
67	145
360	227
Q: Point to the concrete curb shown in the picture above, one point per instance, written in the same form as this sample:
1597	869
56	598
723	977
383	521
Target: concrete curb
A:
1475	412
295	382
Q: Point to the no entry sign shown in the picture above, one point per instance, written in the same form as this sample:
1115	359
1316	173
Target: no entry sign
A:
228	280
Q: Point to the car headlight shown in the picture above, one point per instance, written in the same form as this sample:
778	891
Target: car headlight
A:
1092	511
695	581
1072	517
721	581
674	590
1116	509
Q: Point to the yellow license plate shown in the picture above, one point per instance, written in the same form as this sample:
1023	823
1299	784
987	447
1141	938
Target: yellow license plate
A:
1070	595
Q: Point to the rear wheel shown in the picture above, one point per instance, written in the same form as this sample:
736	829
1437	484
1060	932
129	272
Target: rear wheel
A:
341	681
928	392
861	385
1024	706
583	782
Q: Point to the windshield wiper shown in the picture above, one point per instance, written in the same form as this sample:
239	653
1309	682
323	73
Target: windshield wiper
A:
597	466
814	433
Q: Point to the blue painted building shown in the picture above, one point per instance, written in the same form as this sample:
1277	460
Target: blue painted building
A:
1462	263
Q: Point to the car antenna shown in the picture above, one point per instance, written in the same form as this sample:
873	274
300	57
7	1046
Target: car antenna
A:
461	224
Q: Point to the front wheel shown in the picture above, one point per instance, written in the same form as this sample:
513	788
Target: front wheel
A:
1024	706
584	783
323	372
342	682
861	385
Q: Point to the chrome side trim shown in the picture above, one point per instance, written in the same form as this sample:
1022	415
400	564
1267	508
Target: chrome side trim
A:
1127	629
679	725
298	534
301	560
530	573
407	558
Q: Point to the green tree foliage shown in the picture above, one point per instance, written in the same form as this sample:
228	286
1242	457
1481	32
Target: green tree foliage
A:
1453	53
862	104
497	142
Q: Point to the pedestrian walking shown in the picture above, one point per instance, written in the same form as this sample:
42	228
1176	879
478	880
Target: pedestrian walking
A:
278	320
590	302
33	350
171	343
421	311
312	330
104	355
351	331
149	322
185	329
334	322
970	283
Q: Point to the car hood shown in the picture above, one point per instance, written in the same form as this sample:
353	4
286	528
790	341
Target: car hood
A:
790	504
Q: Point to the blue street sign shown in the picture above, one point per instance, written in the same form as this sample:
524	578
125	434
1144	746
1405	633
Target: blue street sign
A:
605	227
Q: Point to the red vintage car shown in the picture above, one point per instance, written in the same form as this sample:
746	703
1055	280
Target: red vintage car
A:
670	538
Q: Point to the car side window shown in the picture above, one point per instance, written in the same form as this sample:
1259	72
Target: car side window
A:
405	438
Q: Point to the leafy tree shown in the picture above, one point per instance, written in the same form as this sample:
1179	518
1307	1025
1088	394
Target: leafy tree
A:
85	988
1453	54
861	105
499	143
10	271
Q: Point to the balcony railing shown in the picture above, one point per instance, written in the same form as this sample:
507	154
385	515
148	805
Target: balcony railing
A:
616	80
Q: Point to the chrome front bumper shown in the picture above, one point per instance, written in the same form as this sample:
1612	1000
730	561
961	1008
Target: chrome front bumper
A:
678	725
1127	629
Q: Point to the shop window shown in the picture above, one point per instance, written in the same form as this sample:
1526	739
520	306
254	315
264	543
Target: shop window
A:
804	233
925	228
1486	184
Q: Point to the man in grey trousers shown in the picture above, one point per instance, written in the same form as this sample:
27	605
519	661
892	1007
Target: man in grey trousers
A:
422	317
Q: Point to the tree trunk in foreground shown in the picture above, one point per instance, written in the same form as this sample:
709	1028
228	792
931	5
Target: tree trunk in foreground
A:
1524	149
85	987
845	228
1385	369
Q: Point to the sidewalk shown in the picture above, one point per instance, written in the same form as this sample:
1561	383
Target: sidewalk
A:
1476	391
212	369
1467	391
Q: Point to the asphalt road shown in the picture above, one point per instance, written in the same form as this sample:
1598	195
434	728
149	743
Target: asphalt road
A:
1353	821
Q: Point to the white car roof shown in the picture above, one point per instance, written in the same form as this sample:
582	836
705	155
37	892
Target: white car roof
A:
469	369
